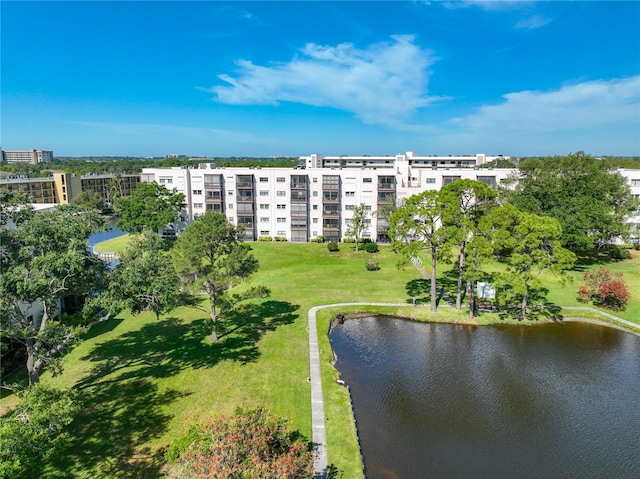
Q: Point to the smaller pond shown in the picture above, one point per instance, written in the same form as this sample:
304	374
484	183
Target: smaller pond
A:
113	232
452	401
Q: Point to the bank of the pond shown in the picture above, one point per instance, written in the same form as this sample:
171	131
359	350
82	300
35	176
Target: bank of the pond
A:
382	382
336	400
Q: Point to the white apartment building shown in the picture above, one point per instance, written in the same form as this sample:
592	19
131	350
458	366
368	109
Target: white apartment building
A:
318	197
32	157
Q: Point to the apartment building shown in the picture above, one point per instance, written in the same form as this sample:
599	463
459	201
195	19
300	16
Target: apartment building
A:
32	157
318	197
61	188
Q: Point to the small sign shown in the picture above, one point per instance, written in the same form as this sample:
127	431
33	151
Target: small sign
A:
486	291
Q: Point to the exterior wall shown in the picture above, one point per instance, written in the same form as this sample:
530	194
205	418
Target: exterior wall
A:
301	204
26	156
102	184
633	180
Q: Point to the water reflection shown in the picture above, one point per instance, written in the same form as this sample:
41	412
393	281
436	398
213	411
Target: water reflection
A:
553	400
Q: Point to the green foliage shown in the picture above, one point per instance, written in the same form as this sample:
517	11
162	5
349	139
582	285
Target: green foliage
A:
252	443
265	238
332	246
372	265
318	239
150	207
280	238
591	202
534	245
617	253
45	258
14	206
145	279
359	223
371	247
89	200
416	226
35	430
210	256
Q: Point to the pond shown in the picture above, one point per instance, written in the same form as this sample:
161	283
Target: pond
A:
96	238
554	400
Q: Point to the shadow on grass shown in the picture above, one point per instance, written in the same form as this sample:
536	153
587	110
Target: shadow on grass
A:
122	405
538	308
418	289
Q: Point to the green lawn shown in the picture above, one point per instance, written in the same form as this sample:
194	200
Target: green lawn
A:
142	380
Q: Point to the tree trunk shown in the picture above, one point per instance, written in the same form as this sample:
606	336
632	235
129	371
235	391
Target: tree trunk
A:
434	291
525	297
460	272
32	367
213	316
472	300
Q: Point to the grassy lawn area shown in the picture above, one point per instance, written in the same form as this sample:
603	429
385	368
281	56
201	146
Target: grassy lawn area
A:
142	380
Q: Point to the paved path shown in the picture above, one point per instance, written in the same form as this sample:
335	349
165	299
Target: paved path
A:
318	419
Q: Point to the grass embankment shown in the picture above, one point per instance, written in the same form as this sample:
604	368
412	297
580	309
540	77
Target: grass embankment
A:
142	380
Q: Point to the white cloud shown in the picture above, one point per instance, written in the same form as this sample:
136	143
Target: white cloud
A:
580	106
532	23
491	5
385	84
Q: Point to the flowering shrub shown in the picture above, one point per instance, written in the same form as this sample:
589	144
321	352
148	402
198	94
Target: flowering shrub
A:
605	289
612	295
250	444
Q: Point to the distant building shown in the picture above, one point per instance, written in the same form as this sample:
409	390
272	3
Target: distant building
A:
32	157
61	188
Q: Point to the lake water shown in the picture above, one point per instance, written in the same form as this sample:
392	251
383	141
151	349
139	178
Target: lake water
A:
113	232
452	401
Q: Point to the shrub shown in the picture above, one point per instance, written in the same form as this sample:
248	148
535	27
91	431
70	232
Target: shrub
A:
264	238
612	295
332	246
371	247
605	289
318	239
279	238
349	240
251	443
372	265
618	253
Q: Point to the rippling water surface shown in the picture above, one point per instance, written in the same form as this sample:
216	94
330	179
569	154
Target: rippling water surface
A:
452	401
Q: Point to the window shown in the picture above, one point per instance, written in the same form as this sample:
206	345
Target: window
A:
315	207
197	192
367	180
298	209
213	195
449	179
246	208
330	181
280	179
300	222
350	194
197	205
430	180
282	233
315	220
264	233
281	220
281	207
263	179
349	207
635	182
264	206
281	193
315	193
490	181
166	180
230	193
230	206
264	193
315	180
264	219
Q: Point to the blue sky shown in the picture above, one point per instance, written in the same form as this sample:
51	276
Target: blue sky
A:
294	78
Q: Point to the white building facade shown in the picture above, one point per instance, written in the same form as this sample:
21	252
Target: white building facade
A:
317	198
32	157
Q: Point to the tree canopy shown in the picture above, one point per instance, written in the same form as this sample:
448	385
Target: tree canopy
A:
591	202
210	256
150	207
45	259
358	224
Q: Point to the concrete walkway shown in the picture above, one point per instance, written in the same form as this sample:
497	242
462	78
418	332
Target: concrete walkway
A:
318	419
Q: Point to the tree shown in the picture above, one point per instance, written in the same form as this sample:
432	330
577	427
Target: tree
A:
532	244
250	443
45	258
467	201
591	202
358	224
150	207
35	430
145	279
209	254
89	200
416	226
605	289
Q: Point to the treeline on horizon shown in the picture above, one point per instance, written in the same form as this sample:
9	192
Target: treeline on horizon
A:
133	165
